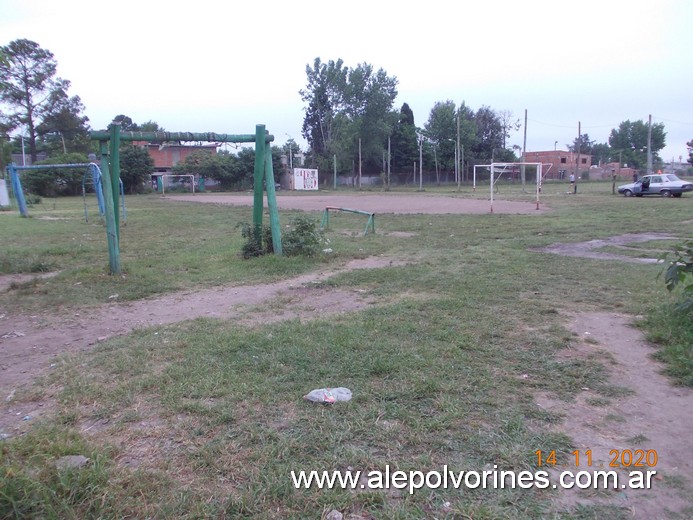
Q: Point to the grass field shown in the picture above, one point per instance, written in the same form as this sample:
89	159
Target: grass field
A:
204	419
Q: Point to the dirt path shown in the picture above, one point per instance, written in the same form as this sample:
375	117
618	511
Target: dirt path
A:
587	249
29	344
656	416
377	203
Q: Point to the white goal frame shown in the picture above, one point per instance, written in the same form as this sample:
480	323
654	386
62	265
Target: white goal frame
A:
501	167
163	184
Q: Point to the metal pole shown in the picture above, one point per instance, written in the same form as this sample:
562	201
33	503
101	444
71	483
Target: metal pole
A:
649	144
258	178
359	163
577	161
17	189
522	158
272	204
491	187
115	173
421	164
111	227
334	166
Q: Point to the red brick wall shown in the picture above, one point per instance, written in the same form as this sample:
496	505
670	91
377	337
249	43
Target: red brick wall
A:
167	156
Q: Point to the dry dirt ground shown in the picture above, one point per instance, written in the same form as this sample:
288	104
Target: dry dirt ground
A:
377	203
656	415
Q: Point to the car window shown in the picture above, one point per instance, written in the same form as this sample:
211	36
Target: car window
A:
672	178
656	178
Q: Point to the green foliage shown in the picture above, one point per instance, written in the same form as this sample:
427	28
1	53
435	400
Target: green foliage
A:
303	239
136	165
630	138
258	242
344	105
52	182
231	171
37	99
679	273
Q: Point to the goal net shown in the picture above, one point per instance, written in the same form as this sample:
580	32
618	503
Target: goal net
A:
504	170
172	183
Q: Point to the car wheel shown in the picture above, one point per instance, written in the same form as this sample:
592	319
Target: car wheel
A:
665	193
627	193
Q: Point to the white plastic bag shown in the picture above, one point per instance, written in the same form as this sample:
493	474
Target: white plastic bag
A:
328	395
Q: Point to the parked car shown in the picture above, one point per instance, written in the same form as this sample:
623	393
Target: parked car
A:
664	185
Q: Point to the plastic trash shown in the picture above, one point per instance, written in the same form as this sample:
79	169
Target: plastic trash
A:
328	395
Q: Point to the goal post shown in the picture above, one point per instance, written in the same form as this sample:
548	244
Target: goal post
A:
497	170
169	176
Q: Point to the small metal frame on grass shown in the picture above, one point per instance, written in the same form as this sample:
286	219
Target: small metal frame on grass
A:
370	224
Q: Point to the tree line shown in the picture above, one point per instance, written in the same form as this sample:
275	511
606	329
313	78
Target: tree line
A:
349	119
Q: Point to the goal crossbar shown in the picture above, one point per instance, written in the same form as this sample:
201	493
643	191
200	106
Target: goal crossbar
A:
493	167
168	175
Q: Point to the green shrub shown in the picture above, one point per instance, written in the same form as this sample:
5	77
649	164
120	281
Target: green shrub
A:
679	273
304	238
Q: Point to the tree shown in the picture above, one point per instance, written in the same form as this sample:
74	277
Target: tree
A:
52	182
28	86
441	129
126	123
508	123
631	140
581	144
689	146
490	137
602	153
64	128
136	165
323	95
403	143
345	105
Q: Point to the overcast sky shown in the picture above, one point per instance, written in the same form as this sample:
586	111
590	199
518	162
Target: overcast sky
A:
225	66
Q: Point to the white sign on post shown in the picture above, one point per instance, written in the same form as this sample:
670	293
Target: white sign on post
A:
305	179
4	195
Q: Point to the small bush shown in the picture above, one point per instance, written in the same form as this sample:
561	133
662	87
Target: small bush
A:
679	273
253	244
304	239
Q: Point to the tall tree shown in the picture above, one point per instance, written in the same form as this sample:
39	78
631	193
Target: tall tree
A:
64	127
509	123
28	86
689	146
323	95
581	143
630	138
490	135
344	105
403	142
126	123
136	165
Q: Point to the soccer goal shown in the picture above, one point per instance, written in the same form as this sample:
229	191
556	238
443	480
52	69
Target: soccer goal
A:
172	182
497	170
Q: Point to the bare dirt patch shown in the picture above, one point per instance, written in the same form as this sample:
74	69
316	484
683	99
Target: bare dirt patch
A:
30	344
587	249
652	417
377	203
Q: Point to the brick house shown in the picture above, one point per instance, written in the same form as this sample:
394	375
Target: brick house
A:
562	162
166	156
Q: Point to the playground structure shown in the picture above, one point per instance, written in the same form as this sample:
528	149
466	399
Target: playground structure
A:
110	182
93	173
370	224
502	168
